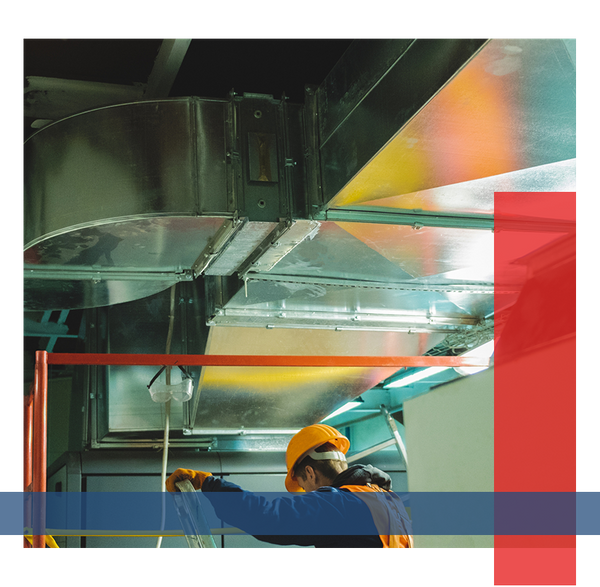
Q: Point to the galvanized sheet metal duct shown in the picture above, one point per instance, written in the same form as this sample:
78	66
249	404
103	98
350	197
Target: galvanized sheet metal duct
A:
124	201
120	201
229	401
449	112
247	398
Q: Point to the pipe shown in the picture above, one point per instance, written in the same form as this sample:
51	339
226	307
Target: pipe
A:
264	360
163	475
40	442
371	450
396	435
28	457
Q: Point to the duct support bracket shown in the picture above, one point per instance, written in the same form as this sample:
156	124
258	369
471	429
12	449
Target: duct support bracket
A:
97	274
415	218
217	245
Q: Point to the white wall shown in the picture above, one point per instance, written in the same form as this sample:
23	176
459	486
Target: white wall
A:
450	446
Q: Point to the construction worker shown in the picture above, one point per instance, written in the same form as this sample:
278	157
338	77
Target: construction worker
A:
333	505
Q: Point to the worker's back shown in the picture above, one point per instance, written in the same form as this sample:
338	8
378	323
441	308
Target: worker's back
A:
343	515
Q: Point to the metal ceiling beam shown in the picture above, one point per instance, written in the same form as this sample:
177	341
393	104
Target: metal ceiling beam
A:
48	99
166	67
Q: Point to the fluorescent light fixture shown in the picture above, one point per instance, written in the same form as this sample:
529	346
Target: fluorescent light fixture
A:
348	406
424	374
484	351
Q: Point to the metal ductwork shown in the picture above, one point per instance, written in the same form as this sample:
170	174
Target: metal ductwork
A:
359	222
126	200
447	123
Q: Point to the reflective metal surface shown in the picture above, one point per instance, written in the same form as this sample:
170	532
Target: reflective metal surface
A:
254	397
42	294
142	326
386	104
122	187
477	196
316	306
379	276
230	400
109	163
157	243
124	201
426	252
512	107
161	248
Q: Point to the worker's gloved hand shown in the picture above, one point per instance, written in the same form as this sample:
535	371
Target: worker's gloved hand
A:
196	477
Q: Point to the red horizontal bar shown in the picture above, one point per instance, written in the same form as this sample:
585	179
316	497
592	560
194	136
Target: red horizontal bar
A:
261	360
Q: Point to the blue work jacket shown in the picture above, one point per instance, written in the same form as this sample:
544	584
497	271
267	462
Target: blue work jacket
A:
330	517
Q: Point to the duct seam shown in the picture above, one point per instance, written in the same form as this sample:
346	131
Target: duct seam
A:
487	288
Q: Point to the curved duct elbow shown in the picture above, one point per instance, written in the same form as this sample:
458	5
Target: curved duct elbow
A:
123	201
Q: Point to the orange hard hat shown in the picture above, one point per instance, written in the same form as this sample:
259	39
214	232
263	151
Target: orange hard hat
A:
303	442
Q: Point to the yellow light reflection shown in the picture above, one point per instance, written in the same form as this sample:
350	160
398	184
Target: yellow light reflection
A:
275	379
466	132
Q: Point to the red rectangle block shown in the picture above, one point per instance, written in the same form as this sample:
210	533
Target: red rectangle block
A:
534	566
534	357
534	373
534	419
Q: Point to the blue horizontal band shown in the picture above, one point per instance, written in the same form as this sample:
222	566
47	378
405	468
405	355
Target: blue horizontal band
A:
435	513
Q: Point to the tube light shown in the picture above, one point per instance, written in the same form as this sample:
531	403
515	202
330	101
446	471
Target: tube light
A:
346	407
485	350
424	374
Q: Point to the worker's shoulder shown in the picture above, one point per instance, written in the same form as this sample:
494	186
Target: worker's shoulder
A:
332	490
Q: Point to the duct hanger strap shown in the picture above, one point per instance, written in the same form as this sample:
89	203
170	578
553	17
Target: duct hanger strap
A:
186	375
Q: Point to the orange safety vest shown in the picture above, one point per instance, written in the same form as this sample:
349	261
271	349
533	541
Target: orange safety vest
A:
390	517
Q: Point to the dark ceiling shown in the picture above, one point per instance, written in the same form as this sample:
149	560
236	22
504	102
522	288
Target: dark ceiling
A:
103	60
210	69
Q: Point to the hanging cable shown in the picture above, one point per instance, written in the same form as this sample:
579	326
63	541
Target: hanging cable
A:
163	475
